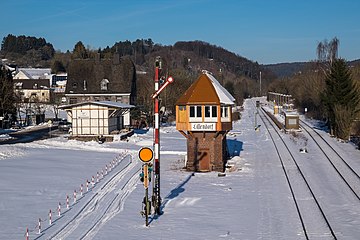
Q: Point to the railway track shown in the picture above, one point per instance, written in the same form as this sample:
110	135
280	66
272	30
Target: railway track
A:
348	174
314	222
107	202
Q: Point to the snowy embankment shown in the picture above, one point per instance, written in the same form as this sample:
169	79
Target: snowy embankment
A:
251	202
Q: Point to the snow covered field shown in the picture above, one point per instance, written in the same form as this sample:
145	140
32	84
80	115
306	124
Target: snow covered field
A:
253	201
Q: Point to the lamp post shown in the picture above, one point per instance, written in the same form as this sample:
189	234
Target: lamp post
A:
260	83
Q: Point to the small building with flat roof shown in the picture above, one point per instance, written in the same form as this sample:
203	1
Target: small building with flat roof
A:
93	119
291	120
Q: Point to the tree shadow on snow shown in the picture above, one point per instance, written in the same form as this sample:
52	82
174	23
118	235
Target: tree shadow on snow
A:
173	194
322	126
234	147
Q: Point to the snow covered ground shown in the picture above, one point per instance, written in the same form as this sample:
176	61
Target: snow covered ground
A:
252	201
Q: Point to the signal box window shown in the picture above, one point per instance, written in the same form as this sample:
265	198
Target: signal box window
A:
195	114
225	116
210	114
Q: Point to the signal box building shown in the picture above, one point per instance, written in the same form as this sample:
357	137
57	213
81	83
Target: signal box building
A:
204	116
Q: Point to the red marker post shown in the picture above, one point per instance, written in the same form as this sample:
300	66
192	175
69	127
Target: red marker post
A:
50	217
39	226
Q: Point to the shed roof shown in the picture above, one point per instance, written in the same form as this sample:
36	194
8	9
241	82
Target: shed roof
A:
206	90
99	103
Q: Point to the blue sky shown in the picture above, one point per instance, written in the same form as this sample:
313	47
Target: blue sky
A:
266	31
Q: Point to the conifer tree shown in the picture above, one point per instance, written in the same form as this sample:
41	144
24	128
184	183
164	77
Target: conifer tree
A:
79	51
341	98
6	94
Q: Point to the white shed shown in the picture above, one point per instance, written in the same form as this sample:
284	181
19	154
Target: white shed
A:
97	118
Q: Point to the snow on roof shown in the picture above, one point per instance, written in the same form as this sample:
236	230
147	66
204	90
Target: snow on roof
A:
223	94
206	90
114	104
61	83
36	72
101	103
291	113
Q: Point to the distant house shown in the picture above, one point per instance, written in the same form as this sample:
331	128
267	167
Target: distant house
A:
32	93
32	90
59	77
41	73
101	80
33	73
93	119
58	82
96	80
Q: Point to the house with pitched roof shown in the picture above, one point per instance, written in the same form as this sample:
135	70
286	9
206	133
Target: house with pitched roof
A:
57	82
99	91
33	73
101	80
204	116
37	89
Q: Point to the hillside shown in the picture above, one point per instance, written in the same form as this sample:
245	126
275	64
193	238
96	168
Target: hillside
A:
287	69
282	70
183	60
28	51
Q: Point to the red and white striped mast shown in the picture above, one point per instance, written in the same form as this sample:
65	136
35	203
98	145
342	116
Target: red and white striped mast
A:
156	189
156	199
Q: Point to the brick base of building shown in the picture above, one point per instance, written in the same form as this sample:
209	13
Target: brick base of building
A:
206	151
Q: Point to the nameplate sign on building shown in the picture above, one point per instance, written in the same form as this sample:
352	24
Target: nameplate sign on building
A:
83	115
203	126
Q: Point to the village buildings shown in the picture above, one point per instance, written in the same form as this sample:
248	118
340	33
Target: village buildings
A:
99	95
107	85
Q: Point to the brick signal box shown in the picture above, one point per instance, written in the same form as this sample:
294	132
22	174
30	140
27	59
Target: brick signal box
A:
204	116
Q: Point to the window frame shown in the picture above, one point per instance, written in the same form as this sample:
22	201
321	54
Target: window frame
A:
104	84
225	114
210	109
196	109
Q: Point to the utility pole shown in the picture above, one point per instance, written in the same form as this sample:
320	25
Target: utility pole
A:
260	83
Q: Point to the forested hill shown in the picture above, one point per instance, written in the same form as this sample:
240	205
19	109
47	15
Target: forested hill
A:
184	60
33	48
29	51
282	70
189	54
228	60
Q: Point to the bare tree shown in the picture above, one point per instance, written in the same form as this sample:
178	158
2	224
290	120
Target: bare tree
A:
327	51
320	50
